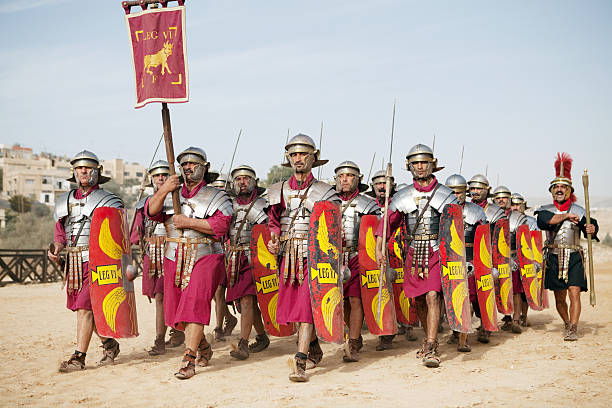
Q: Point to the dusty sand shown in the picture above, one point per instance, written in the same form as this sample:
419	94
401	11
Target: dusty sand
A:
535	368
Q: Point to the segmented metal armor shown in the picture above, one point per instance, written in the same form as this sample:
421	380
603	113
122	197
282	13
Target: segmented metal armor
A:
424	235
154	237
564	240
77	214
245	217
473	215
295	220
352	211
193	245
494	213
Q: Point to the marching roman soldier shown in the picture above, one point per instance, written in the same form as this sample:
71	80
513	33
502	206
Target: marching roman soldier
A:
291	203
194	261
563	220
226	321
354	206
378	186
249	210
420	206
73	214
473	216
479	191
518	203
151	236
501	195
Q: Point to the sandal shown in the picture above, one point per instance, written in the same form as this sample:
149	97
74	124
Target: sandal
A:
74	363
205	353
187	369
430	358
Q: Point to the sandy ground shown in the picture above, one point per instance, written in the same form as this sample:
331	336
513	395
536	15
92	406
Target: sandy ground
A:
535	368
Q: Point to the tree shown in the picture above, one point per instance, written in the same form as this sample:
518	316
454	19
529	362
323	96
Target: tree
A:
607	240
276	174
40	210
20	204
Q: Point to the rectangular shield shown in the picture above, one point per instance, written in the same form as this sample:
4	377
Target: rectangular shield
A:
159	55
537	248
529	277
452	265
485	288
112	293
324	259
501	262
404	307
384	324
264	266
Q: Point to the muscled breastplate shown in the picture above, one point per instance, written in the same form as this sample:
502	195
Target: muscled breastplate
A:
568	234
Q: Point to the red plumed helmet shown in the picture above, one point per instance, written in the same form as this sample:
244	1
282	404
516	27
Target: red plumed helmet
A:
563	173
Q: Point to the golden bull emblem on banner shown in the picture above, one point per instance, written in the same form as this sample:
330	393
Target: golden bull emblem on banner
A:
157	59
159	54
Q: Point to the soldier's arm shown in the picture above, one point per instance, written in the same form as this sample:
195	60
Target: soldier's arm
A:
548	221
156	203
592	228
138	229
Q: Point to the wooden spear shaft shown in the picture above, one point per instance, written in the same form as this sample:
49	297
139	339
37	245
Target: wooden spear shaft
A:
176	203
585	183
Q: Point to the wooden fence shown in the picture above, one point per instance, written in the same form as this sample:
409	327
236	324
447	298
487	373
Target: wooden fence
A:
33	266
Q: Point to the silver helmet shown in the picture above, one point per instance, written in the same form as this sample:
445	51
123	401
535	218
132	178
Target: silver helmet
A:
517	198
422	153
479	181
159	167
350	167
501	191
198	156
458	184
86	158
380	177
303	144
245	170
221	181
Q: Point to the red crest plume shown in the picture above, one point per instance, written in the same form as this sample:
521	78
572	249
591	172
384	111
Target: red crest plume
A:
563	165
563	168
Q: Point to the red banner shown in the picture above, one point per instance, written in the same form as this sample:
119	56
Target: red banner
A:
159	53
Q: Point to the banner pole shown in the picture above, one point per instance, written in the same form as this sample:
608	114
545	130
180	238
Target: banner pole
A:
176	204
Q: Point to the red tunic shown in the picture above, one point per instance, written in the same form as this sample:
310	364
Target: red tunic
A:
75	299
414	285
150	285
293	299
193	304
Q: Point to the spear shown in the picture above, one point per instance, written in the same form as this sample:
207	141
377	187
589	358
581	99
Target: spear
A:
585	183
144	180
388	175
461	162
232	161
320	141
371	165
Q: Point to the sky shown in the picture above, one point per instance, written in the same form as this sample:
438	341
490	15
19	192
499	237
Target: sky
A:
510	82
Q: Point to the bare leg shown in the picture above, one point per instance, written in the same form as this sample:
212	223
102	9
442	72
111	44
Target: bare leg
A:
421	309
246	315
221	309
518	305
160	324
85	328
524	308
257	320
306	335
356	317
194	333
575	305
433	315
561	304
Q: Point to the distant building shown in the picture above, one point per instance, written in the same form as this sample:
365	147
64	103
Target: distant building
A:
42	177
